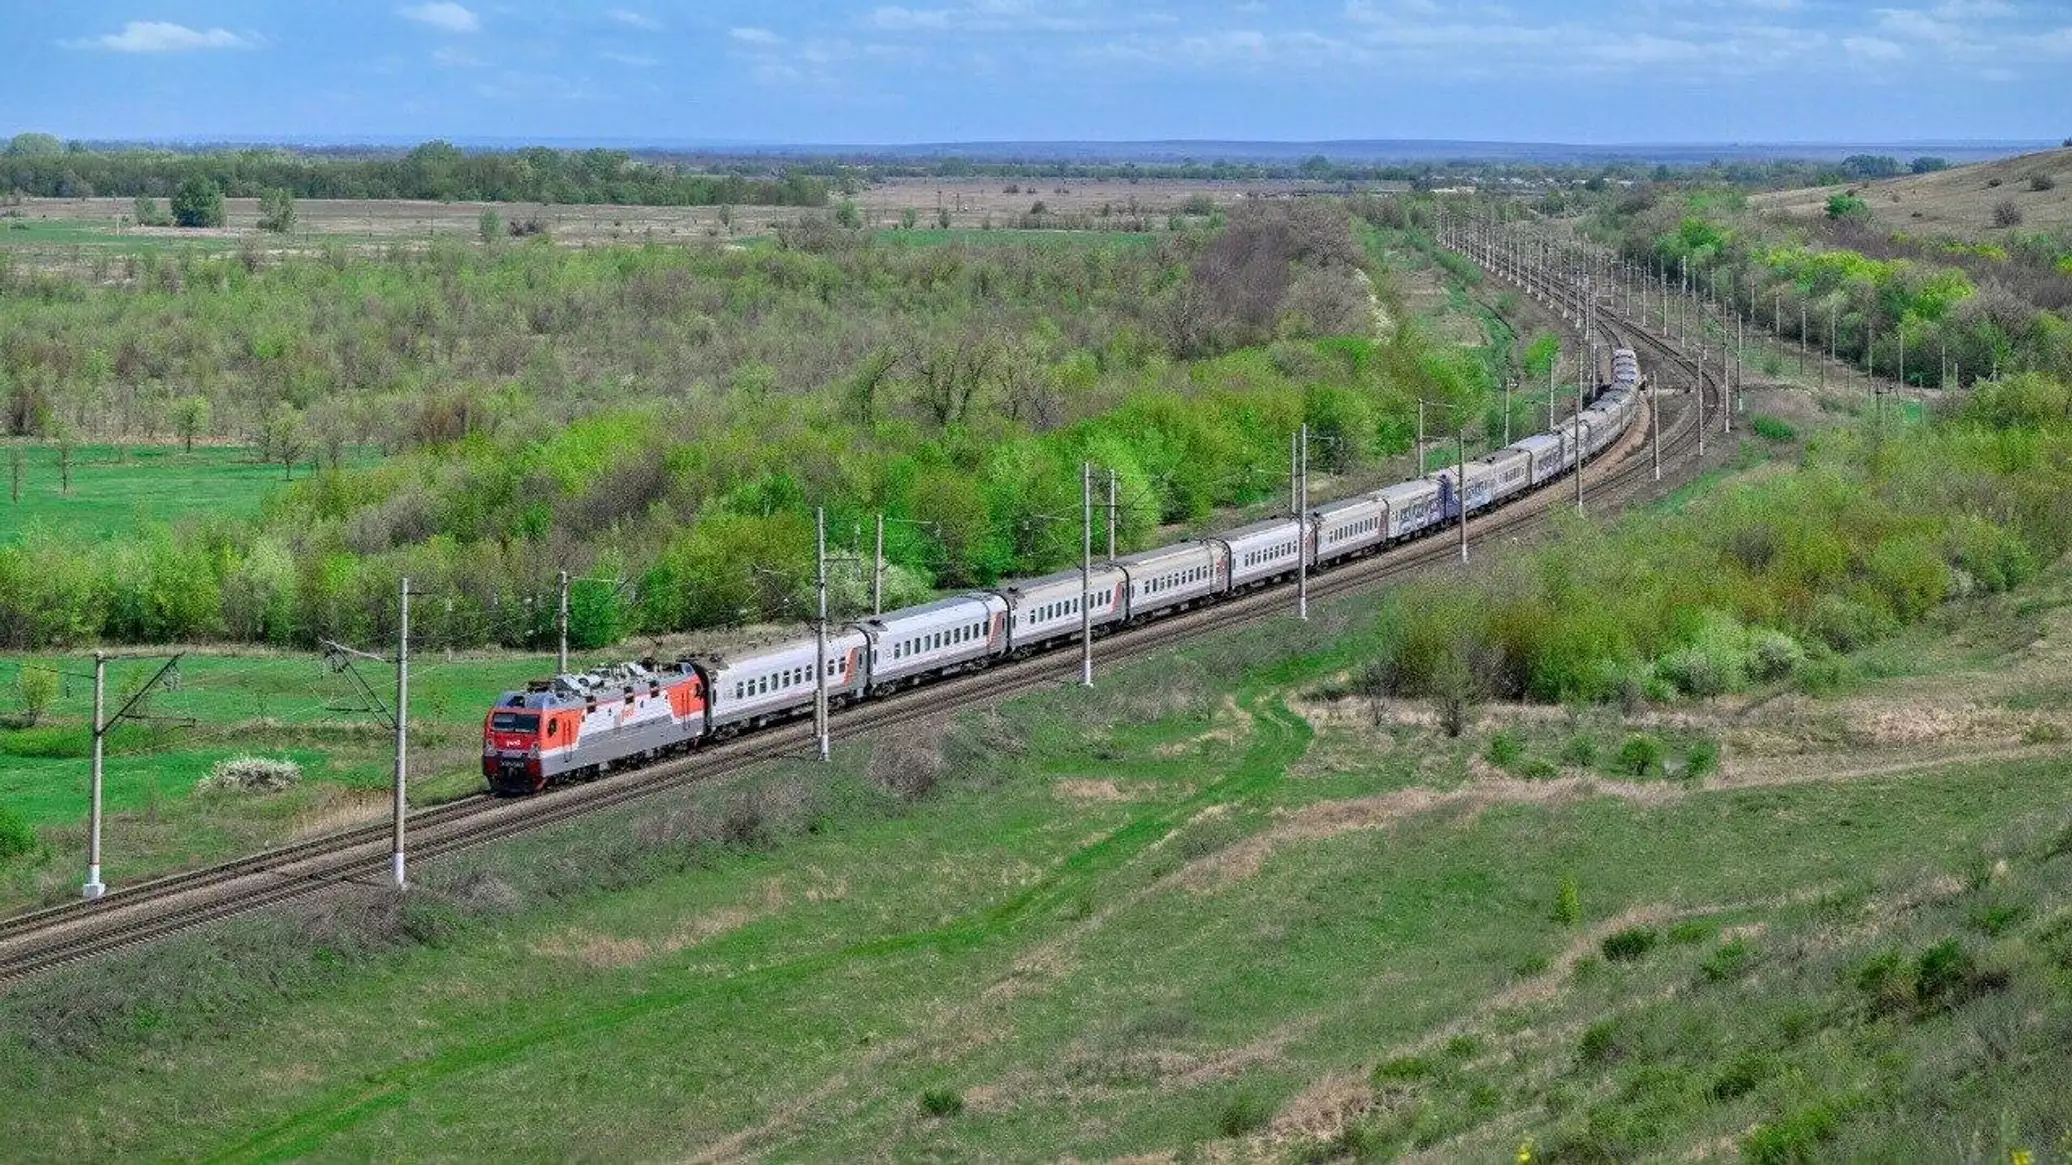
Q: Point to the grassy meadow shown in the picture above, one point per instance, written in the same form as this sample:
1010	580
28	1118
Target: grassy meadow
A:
1214	909
117	490
224	705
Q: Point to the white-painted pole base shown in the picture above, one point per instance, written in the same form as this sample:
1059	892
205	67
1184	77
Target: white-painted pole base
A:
94	887
396	870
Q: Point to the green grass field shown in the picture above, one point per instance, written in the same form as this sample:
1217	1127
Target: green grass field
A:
115	488
1201	910
227	705
95	234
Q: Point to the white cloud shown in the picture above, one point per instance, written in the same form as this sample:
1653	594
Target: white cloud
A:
458	59
443	15
159	36
632	19
1915	25
758	36
1871	49
630	60
1056	16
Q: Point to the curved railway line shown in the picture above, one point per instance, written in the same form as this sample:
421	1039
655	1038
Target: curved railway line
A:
44	939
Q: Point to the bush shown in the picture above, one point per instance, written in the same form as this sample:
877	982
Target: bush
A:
2007	214
1740	1077
1629	945
1246	1112
1505	750
16	835
1846	624
1773	655
1580	752
1727	961
941	1102
1701	758
38	689
1640	755
1568	903
2041	181
1695	672
1599	1042
1772	429
1797	1139
1848	207
249	774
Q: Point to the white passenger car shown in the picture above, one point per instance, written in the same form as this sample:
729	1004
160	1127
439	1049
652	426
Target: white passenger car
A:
1174	576
772	683
1045	610
952	634
1350	527
1263	551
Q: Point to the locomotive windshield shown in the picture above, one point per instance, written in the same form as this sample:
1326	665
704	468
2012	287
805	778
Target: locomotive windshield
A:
514	722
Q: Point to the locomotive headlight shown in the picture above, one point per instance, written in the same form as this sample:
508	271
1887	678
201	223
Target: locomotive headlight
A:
488	747
534	751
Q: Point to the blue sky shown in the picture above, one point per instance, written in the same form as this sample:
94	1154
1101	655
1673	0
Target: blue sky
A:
825	71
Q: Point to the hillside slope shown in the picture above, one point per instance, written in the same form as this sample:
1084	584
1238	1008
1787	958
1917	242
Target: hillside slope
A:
1958	201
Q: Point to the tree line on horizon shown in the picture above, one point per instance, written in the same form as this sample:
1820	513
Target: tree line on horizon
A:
39	165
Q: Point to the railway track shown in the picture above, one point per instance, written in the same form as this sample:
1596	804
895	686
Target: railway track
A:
42	940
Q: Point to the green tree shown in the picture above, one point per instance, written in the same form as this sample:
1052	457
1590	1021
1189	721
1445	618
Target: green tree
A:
198	203
287	438
942	217
490	226
908	217
190	418
38	689
34	145
277	211
150	214
1928	165
848	216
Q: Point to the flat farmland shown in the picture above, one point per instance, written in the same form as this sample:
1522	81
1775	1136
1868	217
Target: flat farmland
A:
63	228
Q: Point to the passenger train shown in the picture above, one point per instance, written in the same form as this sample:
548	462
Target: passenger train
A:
580	725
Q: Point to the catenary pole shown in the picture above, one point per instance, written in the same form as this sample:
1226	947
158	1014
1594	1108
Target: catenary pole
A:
94	887
1655	419
1113	513
1302	537
1086	574
561	629
820	631
1460	481
878	570
402	774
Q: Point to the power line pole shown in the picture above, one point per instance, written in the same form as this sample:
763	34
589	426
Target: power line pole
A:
820	629
94	887
1112	513
878	570
1302	536
561	627
396	864
1508	382
1420	439
1577	423
1655	417
1460	478
1086	574
1701	402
